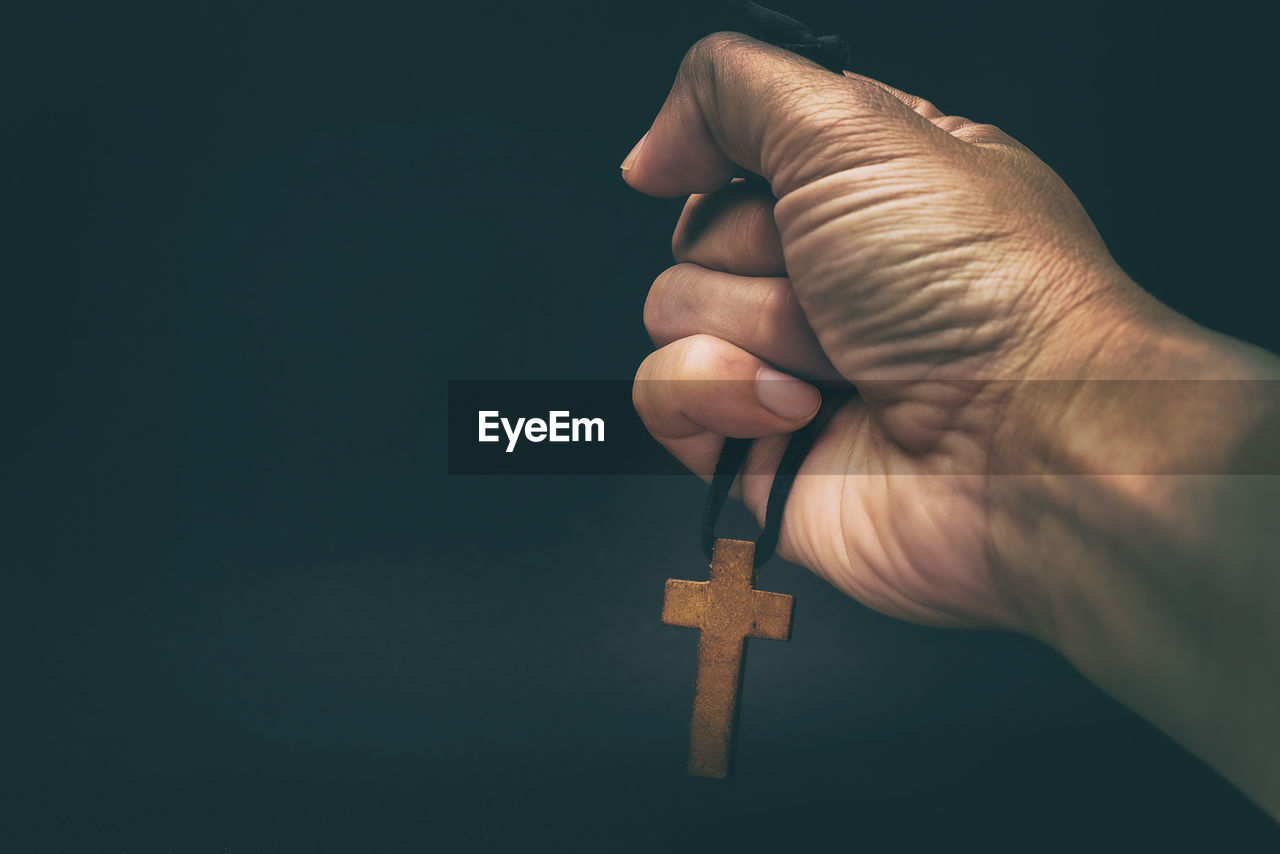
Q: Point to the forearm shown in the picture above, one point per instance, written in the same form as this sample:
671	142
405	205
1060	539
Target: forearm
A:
1150	538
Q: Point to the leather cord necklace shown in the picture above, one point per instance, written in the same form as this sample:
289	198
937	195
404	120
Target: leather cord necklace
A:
734	454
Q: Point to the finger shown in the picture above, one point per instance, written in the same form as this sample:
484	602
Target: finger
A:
703	383
959	127
759	315
692	393
739	103
915	102
731	230
978	133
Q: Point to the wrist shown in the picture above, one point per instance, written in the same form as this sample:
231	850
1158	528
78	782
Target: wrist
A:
1093	439
1136	515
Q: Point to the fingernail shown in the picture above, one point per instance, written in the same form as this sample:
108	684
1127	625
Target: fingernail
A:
786	396
635	150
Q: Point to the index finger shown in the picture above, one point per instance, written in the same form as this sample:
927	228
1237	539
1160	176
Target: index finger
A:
738	103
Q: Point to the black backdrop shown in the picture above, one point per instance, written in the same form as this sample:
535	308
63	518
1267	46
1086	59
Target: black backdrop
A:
248	609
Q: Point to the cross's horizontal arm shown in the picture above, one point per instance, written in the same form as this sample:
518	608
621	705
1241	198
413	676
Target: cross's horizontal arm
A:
685	603
771	615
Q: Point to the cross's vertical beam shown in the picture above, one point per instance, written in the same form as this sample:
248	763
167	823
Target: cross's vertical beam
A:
728	610
715	705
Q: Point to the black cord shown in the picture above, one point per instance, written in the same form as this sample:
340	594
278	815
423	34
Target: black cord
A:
792	458
830	51
734	454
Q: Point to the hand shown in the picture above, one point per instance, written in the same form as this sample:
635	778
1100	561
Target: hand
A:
943	271
925	259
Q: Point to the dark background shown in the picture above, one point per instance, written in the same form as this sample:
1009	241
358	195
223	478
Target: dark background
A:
247	609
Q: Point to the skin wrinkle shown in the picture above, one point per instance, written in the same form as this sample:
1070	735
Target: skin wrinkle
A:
772	306
829	274
888	336
888	263
911	323
812	200
927	295
931	324
714	56
969	588
910	437
818	117
891	569
888	567
750	247
951	411
735	218
660	304
864	191
792	171
858	551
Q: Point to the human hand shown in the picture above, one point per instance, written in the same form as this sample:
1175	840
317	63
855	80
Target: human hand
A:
930	261
946	273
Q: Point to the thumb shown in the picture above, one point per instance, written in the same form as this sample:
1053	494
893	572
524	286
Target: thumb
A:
738	103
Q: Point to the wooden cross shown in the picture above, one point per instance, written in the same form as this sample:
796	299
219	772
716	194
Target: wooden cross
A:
728	609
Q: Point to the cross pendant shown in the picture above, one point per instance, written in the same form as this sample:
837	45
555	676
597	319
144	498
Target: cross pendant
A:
728	610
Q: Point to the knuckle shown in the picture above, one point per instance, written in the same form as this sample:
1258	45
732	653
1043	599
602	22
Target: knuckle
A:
709	54
698	355
646	392
711	48
952	124
648	367
978	133
653	307
682	238
661	305
926	108
653	386
771	302
757	236
773	297
984	132
641	387
733	230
